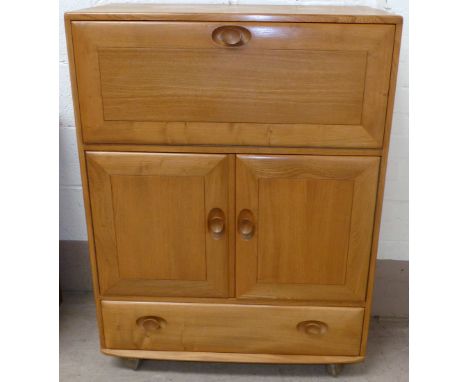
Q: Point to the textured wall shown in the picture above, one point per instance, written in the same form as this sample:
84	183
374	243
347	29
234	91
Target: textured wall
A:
394	231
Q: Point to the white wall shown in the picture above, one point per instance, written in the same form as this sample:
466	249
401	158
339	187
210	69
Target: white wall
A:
394	230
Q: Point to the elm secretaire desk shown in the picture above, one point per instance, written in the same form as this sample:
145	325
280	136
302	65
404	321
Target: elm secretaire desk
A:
233	162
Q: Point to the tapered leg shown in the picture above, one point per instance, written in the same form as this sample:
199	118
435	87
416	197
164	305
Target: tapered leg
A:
132	363
334	369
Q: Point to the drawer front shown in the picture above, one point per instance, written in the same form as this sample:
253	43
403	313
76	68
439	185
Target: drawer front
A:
232	328
275	85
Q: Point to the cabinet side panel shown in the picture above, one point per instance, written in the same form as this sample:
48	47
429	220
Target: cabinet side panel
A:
381	187
84	178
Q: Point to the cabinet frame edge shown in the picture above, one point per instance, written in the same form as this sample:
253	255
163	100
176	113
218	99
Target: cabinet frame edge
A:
84	177
381	188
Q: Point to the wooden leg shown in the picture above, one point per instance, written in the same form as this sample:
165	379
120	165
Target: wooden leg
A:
334	369
132	363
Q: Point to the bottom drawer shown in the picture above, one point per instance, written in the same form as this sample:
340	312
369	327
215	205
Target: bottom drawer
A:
232	328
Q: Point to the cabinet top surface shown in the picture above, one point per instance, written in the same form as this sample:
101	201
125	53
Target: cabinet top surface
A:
218	12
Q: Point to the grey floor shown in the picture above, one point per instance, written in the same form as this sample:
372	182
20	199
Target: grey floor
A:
81	360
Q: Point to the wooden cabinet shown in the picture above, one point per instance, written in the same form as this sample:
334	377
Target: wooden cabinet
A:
233	163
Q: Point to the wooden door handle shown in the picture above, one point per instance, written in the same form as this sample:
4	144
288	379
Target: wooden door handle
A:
151	324
246	224
312	328
231	35
216	223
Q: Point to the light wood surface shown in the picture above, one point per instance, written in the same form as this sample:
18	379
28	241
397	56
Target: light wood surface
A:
234	300
150	213
380	191
218	12
136	87
138	262
210	85
231	357
313	221
233	328
84	181
232	149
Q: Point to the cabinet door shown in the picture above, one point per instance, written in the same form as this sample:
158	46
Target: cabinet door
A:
290	84
304	226
160	223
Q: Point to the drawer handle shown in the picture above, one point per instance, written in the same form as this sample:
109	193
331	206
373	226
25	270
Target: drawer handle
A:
231	35
245	224
151	324
216	223
312	328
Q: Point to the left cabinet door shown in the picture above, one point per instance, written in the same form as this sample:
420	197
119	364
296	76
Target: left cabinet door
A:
160	223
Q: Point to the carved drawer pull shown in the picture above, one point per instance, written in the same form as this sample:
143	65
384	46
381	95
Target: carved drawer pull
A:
231	35
216	223
151	324
312	328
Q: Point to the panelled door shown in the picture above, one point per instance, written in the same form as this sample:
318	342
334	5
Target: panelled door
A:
304	226
160	223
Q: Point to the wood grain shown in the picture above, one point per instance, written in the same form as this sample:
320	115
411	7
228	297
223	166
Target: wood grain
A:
233	328
84	180
218	12
231	357
302	204
164	237
136	87
150	212
232	149
380	191
234	300
314	217
210	85
304	230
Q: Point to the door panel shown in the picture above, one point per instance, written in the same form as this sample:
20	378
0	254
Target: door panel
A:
311	219
156	227
189	86
290	84
315	219
150	216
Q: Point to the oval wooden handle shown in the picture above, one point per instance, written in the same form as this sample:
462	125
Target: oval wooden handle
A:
151	324
216	223
246	224
231	35
312	328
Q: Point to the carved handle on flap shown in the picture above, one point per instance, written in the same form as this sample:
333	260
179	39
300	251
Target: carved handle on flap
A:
246	224
231	35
